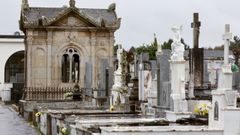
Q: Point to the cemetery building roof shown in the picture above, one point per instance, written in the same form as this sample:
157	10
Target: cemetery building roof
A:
46	16
210	54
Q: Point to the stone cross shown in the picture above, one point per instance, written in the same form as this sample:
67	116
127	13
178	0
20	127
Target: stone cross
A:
227	37
196	29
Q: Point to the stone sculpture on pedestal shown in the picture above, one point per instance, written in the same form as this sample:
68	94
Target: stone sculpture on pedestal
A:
119	97
179	106
177	46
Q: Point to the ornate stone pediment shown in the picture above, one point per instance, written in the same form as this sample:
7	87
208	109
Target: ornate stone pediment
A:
72	18
72	21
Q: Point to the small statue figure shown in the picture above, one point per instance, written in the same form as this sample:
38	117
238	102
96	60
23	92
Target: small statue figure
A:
177	47
119	57
159	47
72	3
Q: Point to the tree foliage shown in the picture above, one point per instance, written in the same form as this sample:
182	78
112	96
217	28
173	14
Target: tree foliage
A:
221	47
235	47
167	44
152	48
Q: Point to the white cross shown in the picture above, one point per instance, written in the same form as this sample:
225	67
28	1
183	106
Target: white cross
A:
227	37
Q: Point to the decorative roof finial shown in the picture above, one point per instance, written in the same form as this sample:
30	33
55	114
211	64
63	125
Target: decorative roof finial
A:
112	7
25	4
72	3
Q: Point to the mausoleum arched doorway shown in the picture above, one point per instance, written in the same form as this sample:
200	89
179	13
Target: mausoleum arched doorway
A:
14	73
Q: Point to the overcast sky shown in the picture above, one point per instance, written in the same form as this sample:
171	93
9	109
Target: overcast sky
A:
142	18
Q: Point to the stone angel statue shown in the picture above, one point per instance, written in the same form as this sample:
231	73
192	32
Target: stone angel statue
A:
177	47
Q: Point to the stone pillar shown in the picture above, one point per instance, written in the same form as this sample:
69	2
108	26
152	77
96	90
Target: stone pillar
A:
158	84
93	58
179	103
163	78
157	76
141	82
49	58
191	76
135	66
111	44
70	68
28	71
177	66
133	87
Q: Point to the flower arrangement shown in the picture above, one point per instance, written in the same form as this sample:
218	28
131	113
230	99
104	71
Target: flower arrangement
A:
68	95
64	131
38	114
202	109
112	108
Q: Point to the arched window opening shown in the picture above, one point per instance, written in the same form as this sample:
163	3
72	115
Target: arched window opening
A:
14	68
75	68
216	111
65	68
70	66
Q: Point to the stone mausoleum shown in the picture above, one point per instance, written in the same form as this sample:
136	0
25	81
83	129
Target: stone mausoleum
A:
63	43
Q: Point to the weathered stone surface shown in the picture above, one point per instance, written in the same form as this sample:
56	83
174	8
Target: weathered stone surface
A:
102	74
164	98
143	57
88	78
164	68
197	53
68	36
198	66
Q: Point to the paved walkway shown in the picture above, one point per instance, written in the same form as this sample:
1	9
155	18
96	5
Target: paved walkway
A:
12	124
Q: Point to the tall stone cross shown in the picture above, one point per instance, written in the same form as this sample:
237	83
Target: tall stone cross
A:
227	36
196	29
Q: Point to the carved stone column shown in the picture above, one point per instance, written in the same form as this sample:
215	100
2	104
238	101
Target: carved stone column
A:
93	56
49	57
28	71
111	45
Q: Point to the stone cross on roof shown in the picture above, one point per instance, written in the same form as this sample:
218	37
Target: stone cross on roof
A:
227	36
196	29
72	3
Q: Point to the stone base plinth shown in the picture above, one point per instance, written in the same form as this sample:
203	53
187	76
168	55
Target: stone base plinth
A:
221	99
225	78
173	116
